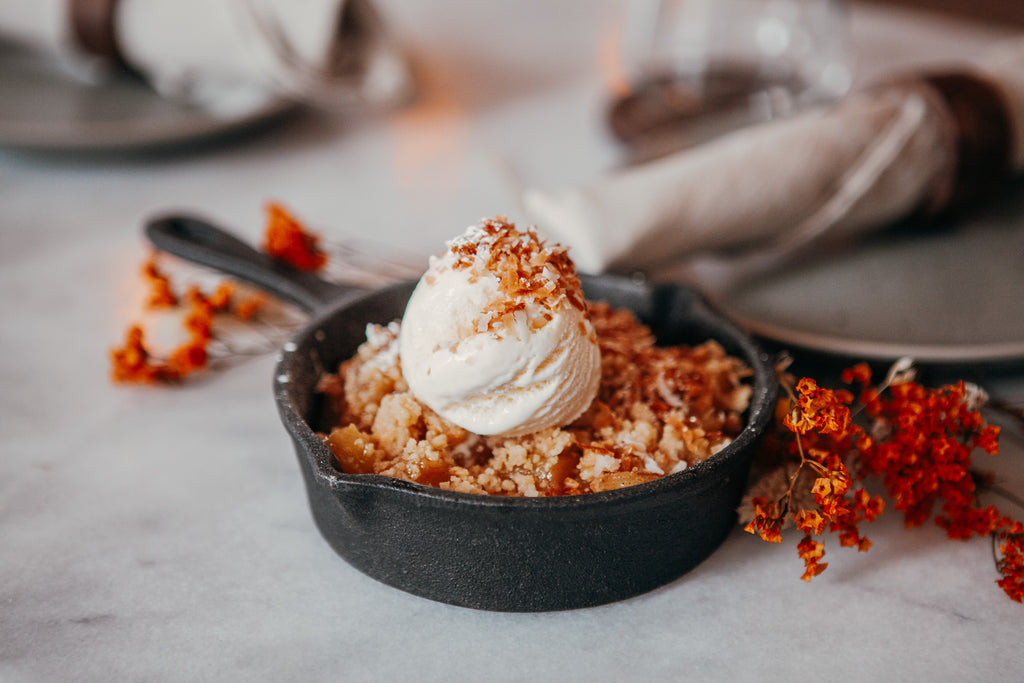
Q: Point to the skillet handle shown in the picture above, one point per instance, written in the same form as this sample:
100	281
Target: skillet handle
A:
199	241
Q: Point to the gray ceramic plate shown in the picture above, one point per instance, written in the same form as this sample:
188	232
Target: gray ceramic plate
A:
953	295
44	108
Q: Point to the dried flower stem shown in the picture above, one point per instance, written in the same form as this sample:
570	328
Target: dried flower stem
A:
285	238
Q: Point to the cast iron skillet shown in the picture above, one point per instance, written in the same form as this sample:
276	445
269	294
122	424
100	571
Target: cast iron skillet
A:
495	553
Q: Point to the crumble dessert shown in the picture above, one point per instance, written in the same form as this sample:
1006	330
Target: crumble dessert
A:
625	413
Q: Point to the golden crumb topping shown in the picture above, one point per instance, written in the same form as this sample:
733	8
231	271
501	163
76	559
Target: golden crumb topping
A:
658	411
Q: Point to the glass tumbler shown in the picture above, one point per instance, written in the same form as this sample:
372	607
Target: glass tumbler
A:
699	68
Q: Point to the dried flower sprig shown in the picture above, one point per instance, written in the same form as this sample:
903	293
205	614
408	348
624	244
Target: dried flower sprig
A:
134	363
285	238
1009	542
917	441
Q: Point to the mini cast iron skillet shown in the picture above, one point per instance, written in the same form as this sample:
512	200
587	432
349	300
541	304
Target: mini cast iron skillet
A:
485	552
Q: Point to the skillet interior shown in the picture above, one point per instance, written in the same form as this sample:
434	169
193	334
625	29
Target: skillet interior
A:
516	554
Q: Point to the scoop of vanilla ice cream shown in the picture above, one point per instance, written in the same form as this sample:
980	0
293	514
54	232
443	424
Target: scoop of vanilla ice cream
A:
496	338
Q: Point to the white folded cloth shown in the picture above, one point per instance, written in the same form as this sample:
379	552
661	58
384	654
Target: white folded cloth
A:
873	158
197	49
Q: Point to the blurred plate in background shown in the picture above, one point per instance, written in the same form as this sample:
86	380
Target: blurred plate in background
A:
43	107
953	294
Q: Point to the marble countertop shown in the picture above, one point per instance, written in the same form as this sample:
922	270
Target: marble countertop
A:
163	534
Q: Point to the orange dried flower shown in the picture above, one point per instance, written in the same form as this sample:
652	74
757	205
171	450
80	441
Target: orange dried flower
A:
922	456
868	506
858	374
248	307
133	362
767	521
987	439
220	300
811	552
809	521
128	363
286	239
188	358
822	489
199	320
819	410
160	293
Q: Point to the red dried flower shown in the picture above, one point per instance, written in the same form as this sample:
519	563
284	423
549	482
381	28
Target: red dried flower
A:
1010	544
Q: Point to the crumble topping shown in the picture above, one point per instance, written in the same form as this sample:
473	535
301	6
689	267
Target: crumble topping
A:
658	411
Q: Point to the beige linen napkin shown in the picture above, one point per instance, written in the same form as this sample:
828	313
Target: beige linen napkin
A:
331	50
923	143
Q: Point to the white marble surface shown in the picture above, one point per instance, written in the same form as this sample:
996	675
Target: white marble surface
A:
151	534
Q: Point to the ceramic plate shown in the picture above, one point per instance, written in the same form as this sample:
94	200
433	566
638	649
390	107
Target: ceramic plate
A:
952	294
43	107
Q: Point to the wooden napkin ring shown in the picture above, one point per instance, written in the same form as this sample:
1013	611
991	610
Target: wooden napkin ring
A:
93	23
982	137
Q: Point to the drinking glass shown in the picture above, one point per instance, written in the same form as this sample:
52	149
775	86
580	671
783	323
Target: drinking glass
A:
698	68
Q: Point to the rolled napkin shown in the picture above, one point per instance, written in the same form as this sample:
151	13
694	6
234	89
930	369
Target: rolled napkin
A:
925	143
335	50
